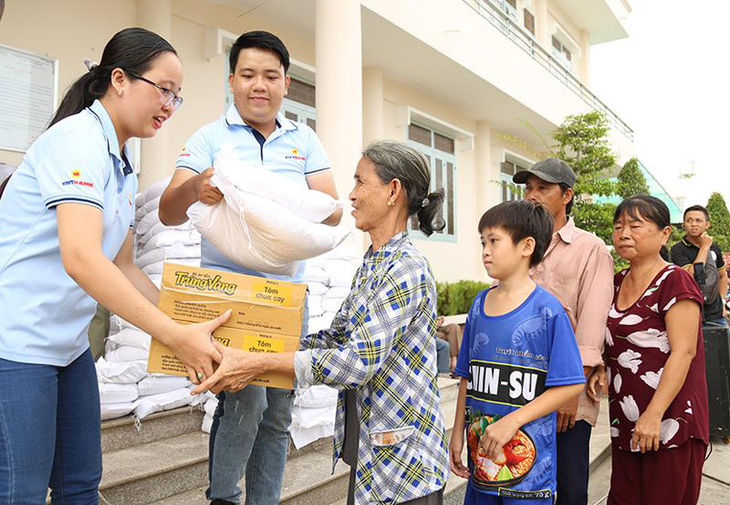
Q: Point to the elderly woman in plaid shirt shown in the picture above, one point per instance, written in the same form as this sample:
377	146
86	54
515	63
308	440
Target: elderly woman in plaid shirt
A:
380	351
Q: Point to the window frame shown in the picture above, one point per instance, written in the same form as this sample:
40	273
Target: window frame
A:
505	180
433	154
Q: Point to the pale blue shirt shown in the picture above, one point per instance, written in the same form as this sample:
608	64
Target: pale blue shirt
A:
293	150
44	314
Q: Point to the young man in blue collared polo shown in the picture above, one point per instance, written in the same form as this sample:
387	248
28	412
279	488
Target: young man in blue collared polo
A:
250	426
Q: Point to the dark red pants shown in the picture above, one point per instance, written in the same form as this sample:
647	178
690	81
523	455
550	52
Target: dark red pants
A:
668	476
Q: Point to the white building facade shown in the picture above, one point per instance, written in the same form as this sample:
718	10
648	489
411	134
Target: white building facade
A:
474	84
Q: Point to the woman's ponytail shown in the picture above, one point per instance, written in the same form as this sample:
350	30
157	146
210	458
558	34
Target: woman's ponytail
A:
430	216
80	95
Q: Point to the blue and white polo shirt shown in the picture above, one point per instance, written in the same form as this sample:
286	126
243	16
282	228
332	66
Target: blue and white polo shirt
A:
44	314
293	150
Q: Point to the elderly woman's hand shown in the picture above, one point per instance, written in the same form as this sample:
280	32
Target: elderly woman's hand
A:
647	432
236	370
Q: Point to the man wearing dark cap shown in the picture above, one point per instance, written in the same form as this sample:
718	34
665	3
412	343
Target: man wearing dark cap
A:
578	270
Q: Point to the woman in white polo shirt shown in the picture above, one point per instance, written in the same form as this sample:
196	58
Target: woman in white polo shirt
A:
66	244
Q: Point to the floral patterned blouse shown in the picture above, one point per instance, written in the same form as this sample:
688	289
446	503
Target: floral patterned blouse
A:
637	347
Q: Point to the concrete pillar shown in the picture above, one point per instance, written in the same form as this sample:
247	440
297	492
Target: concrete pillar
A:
487	186
338	53
372	104
541	23
155	164
585	61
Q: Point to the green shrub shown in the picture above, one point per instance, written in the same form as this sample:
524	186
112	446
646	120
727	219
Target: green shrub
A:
456	297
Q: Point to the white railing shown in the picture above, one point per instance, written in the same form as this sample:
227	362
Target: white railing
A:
526	41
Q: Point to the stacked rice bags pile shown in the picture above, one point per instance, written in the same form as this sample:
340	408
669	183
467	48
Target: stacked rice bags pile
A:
125	386
156	243
328	278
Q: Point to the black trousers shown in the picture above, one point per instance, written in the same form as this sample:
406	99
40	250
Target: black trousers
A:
573	464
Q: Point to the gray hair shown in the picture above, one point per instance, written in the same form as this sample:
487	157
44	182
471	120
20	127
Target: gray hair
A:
398	160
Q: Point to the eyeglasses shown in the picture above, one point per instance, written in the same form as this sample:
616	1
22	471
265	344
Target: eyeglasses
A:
168	96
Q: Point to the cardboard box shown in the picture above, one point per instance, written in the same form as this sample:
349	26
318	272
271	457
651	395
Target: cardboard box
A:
266	314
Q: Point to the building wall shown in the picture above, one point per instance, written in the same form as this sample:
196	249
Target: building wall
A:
64	33
481	143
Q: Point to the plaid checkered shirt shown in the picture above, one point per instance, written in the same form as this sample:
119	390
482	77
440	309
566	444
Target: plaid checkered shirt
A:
382	344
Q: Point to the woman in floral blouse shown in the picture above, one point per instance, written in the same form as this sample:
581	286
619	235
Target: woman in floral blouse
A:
380	350
656	366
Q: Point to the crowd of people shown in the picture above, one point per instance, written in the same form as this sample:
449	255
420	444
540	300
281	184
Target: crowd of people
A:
539	347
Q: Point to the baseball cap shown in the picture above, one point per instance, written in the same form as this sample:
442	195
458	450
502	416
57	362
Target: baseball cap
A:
551	170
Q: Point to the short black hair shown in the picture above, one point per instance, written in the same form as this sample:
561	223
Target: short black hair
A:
646	207
522	219
698	208
261	40
568	206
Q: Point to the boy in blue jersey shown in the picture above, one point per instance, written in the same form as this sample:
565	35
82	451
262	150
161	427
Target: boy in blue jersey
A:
518	363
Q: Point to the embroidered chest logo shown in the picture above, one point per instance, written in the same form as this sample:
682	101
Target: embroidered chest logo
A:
75	180
295	155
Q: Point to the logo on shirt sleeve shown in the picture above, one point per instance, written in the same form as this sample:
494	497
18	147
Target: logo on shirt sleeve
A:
76	180
184	152
295	155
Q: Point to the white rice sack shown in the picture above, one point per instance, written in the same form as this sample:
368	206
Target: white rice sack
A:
117	324
156	268
317	323
121	373
207	424
210	406
131	337
316	288
171	252
148	208
261	235
126	353
315	397
155	385
145	224
337	293
341	273
114	410
117	393
167	238
314	304
331	305
159	228
154	191
314	206
315	274
165	401
156	279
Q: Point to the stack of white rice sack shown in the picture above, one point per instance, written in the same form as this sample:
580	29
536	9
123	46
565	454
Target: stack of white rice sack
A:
157	243
329	278
125	386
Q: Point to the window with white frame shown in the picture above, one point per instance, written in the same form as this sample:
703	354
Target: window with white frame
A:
510	7
561	52
510	190
299	104
440	152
